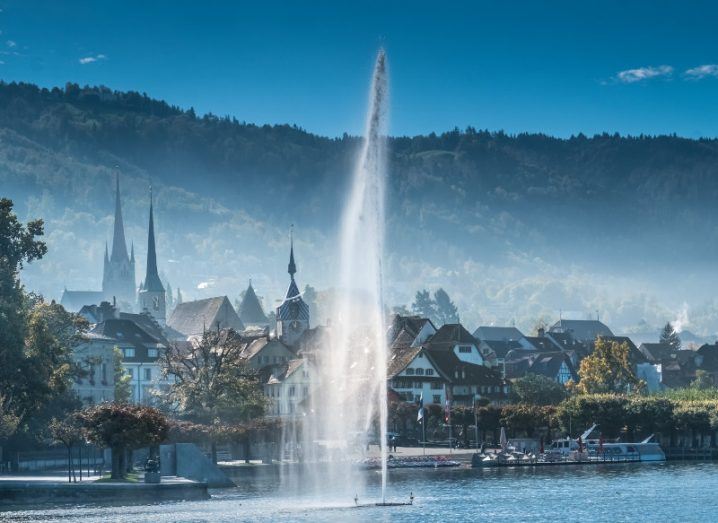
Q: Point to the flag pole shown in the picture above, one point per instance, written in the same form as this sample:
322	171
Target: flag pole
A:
423	435
476	424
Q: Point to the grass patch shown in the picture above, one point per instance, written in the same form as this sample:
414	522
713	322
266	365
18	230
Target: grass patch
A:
131	477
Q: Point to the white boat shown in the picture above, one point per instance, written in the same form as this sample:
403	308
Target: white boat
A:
585	449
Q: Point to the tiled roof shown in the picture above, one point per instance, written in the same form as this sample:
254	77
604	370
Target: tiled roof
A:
400	358
501	348
582	330
549	365
193	317
490	333
657	352
468	373
449	335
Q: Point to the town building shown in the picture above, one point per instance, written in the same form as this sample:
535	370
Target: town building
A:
95	356
151	296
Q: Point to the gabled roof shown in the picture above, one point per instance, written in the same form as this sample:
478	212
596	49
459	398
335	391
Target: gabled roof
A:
284	371
542	343
549	365
412	325
192	318
708	357
147	322
250	310
403	340
468	373
657	352
566	342
490	333
449	335
582	330
400	358
126	331
501	348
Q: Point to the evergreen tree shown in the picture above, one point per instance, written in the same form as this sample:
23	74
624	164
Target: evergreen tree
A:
123	391
670	336
423	305
446	311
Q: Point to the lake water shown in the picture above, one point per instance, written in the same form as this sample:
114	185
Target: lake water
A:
626	492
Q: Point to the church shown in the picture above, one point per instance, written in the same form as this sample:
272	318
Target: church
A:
118	277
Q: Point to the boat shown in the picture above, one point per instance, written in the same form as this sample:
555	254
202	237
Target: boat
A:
570	451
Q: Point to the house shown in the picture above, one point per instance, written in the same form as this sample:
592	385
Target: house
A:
470	382
582	330
141	353
193	318
491	333
657	352
499	349
288	388
95	355
412	372
264	351
557	366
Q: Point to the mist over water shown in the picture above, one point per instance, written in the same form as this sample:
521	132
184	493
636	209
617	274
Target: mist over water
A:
351	399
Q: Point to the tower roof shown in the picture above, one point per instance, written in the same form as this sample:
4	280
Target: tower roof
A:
152	278
250	310
119	246
292	267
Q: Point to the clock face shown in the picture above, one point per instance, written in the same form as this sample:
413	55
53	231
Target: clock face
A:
294	309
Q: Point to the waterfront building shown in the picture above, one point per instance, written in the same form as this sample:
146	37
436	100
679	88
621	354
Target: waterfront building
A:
94	355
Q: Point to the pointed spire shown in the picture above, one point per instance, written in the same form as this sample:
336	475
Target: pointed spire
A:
152	278
107	257
119	246
132	253
292	268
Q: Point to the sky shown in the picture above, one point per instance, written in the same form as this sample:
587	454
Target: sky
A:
554	67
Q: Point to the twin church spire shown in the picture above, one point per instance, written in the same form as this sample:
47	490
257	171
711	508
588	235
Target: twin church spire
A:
118	281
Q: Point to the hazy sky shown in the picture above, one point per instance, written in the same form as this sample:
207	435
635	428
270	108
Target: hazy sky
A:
620	66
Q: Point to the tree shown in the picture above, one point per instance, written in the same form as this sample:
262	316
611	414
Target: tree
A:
123	427
69	433
122	378
423	305
670	336
8	419
537	390
703	381
446	311
607	369
212	383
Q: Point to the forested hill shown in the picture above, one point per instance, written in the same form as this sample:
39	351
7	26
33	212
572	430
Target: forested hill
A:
517	226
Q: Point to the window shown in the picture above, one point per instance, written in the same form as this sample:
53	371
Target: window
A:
409	372
152	353
148	374
128	352
419	372
417	384
429	372
104	373
305	391
131	373
466	349
292	391
436	385
437	398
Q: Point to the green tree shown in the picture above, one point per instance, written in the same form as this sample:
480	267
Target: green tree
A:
670	336
607	369
123	388
212	383
578	413
8	419
537	390
423	305
123	428
445	310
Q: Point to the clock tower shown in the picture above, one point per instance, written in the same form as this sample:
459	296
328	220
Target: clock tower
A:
293	313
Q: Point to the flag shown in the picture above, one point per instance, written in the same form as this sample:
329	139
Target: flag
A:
447	411
420	414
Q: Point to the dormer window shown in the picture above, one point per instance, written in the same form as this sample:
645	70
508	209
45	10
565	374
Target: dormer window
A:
409	372
429	372
466	349
419	372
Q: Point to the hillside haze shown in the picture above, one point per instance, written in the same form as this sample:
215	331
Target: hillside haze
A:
515	228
